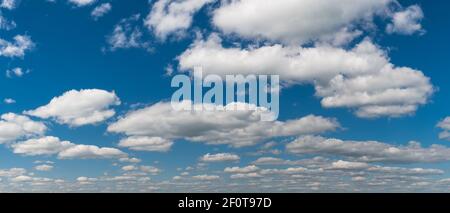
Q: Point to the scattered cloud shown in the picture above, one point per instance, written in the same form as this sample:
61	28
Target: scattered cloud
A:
407	22
101	10
17	48
16	72
172	17
127	34
9	101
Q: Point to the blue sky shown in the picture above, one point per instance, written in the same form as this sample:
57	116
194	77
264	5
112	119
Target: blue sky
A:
115	64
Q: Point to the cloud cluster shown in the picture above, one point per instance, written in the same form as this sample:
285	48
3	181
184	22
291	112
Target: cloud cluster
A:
359	78
369	151
79	107
64	149
232	127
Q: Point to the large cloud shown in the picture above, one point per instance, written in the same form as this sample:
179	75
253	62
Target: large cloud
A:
369	151
64	149
233	127
13	127
361	78
78	108
172	16
294	21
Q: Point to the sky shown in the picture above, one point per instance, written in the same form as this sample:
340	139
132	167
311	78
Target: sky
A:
86	89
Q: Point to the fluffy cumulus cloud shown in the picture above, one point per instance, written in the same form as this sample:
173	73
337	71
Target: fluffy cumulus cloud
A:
359	78
219	157
144	143
82	3
369	151
445	126
172	16
127	34
293	21
16	48
64	149
233	127
13	127
101	10
407	22
79	107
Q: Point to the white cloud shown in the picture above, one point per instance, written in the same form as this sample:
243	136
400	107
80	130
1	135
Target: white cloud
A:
206	177
369	151
44	167
346	165
5	24
219	157
13	127
129	168
172	16
90	152
17	48
16	72
444	125
247	169
101	10
130	160
22	178
78	108
360	78
407	22
9	4
150	170
42	146
64	149
13	172
293	21
143	143
82	3
127	34
233	127
9	101
406	171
